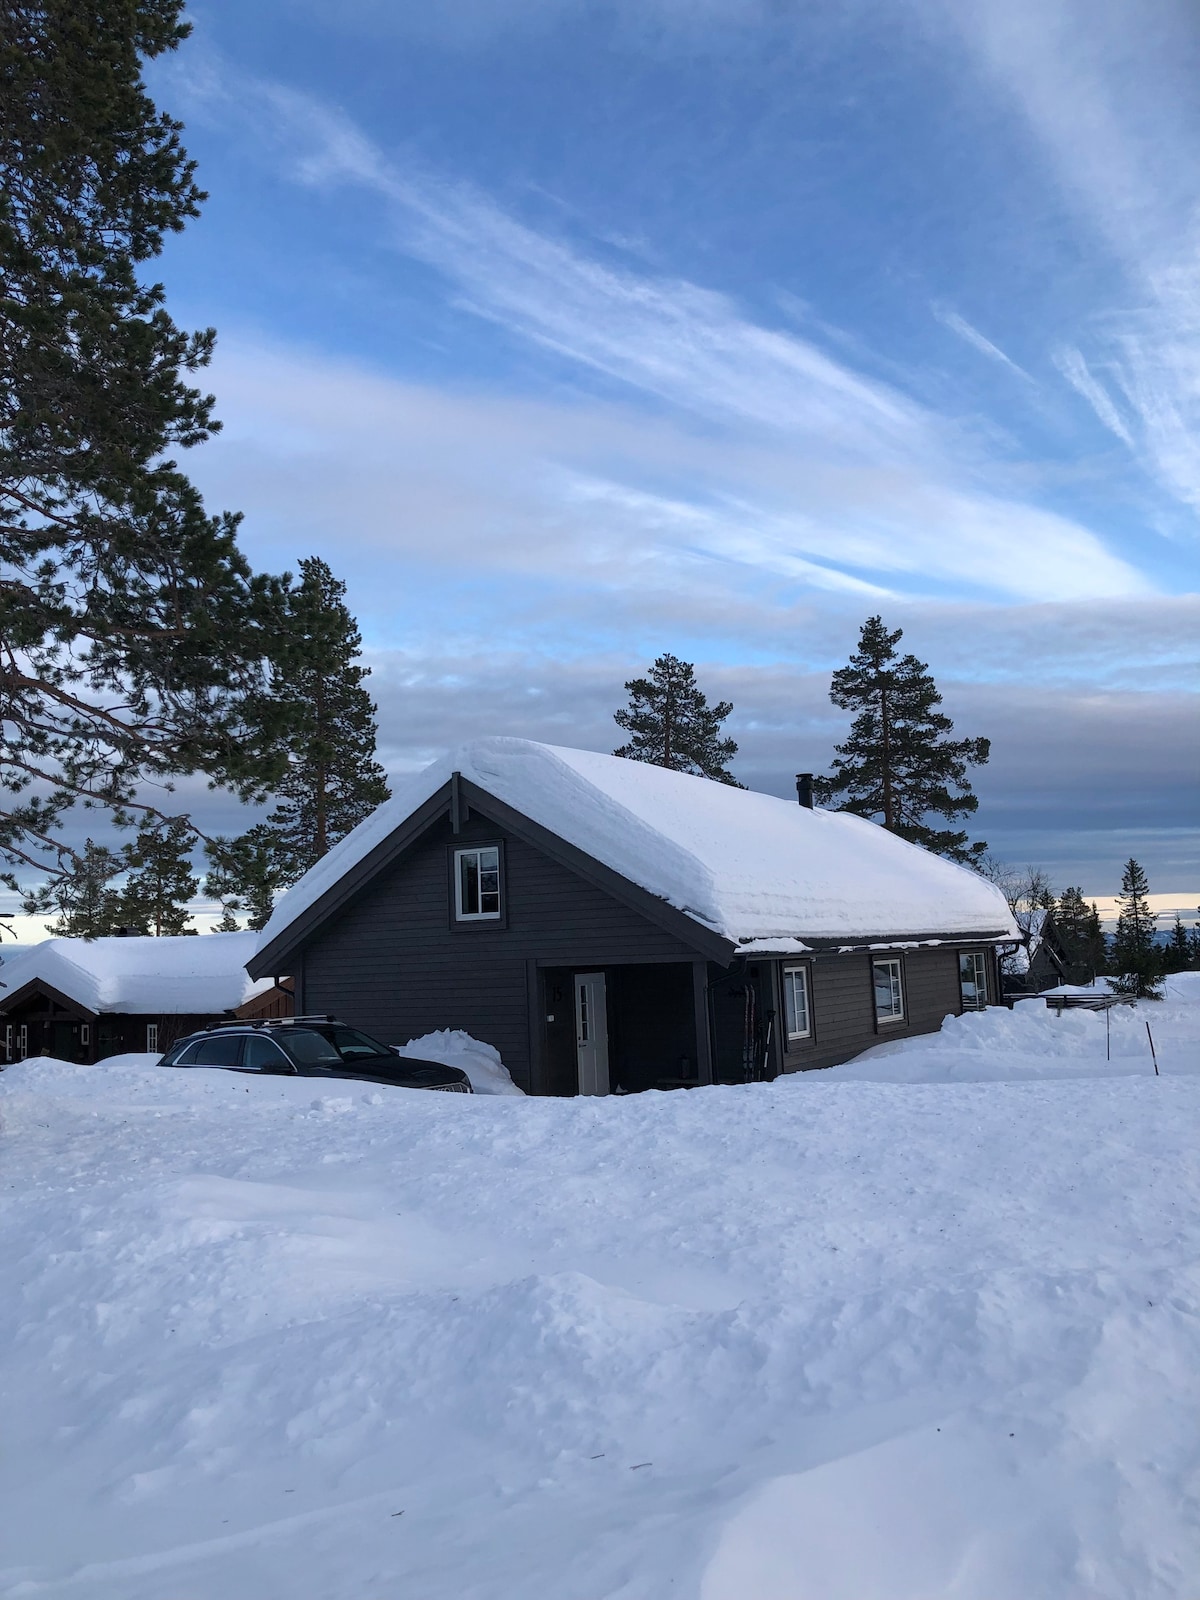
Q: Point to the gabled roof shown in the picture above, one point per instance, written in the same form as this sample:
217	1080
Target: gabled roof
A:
746	866
189	975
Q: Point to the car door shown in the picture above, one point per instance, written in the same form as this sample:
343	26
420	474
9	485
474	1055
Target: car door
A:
262	1054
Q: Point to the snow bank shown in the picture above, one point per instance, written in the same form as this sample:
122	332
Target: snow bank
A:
1030	1041
175	976
817	1340
748	865
454	1048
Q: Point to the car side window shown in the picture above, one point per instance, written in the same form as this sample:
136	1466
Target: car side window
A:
221	1050
264	1055
186	1058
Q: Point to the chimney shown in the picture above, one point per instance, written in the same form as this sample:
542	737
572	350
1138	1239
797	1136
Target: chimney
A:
804	783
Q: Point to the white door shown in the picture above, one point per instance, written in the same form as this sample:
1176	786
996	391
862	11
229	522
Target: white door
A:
591	1032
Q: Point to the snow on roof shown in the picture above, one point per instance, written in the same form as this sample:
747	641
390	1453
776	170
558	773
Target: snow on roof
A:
747	865
185	975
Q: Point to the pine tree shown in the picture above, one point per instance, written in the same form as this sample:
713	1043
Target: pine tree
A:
1136	961
244	874
899	764
161	881
1178	954
88	905
332	780
1080	935
133	631
673	725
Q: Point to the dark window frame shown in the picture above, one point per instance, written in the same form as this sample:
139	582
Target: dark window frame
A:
475	921
888	1023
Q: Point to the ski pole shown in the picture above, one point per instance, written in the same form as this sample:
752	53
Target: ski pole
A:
1153	1057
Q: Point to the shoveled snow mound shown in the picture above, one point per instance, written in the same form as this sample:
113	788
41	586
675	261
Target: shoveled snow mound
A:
1030	1041
454	1048
749	865
818	1340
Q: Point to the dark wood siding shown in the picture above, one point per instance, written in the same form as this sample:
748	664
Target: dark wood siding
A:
843	1004
395	963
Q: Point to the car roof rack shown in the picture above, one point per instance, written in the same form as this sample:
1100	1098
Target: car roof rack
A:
265	1022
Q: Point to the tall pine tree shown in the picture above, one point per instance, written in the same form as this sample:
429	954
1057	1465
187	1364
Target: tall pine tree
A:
332	780
132	632
899	764
1136	960
1081	936
161	880
672	724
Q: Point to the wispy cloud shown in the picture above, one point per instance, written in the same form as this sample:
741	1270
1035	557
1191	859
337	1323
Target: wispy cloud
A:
959	325
1078	374
1108	89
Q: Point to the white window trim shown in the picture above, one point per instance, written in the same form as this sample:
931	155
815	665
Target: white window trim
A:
151	1037
477	916
981	988
806	1033
23	1041
893	1018
85	1033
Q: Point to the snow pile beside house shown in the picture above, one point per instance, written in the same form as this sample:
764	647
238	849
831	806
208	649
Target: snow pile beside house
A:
1030	1041
175	976
454	1048
749	866
815	1340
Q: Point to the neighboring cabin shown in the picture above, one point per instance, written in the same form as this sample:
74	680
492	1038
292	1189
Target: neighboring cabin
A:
85	999
611	926
1040	961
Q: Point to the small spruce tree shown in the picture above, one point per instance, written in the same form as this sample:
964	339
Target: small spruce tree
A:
161	880
1136	961
899	764
88	905
672	724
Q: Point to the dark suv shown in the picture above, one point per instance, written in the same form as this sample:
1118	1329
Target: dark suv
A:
310	1047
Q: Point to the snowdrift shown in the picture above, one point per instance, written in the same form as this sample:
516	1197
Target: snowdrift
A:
818	1340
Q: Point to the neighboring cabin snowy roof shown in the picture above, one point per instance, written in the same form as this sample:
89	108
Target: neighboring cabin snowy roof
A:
185	975
749	866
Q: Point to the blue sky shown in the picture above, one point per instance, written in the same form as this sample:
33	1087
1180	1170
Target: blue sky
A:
574	332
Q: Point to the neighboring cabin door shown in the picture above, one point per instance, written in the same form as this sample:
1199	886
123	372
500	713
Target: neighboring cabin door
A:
591	1032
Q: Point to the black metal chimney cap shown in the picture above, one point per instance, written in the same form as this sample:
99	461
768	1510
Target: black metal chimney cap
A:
804	789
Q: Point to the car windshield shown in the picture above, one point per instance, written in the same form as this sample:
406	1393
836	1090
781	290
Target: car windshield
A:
306	1048
356	1046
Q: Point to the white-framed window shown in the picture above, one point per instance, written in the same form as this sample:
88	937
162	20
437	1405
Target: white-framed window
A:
477	884
889	990
22	1042
797	1011
85	1033
972	979
151	1036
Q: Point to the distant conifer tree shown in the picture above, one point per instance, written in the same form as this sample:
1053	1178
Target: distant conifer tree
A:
88	905
899	765
1080	935
672	724
244	874
1136	961
161	880
1177	956
332	780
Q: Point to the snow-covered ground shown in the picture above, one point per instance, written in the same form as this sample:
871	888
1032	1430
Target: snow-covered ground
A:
829	1339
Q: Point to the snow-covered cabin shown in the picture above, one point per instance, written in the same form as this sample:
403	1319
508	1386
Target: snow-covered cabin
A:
608	925
84	999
